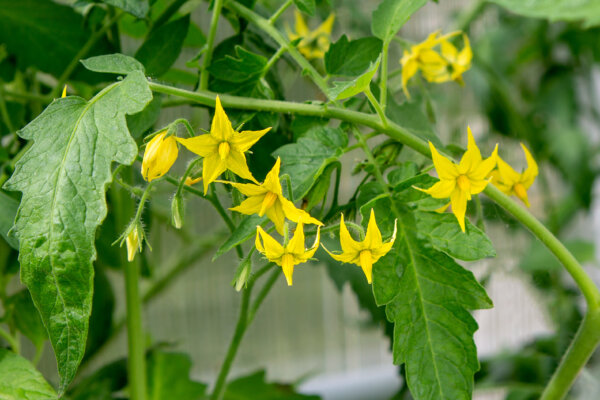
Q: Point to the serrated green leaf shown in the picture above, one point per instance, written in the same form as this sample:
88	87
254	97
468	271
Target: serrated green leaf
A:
391	15
306	6
351	58
20	380
305	160
113	64
162	46
321	187
247	67
63	177
169	377
26	317
244	231
9	207
428	297
46	35
137	8
587	11
254	386
343	89
444	233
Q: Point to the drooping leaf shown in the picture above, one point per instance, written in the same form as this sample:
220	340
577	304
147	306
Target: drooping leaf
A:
26	317
113	64
444	233
63	178
137	8
305	160
254	386
391	15
247	67
587	11
343	89
46	35
9	207
162	46
244	231
306	6
351	57
169	377
20	380
428	297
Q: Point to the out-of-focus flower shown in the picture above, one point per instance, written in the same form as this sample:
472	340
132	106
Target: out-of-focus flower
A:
511	182
314	44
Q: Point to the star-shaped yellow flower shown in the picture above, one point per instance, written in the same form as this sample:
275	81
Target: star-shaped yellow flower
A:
459	182
423	56
365	253
314	44
293	253
458	61
160	154
511	182
267	198
223	148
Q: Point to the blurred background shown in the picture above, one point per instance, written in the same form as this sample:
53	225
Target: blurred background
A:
531	81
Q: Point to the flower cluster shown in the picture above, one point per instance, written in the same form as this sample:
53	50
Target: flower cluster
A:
445	64
459	182
223	149
313	44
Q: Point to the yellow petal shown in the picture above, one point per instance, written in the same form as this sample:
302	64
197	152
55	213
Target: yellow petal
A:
382	250
344	257
442	208
272	182
466	54
507	174
311	252
348	244
478	186
242	141
248	189
483	169
267	245
440	190
459	206
521	193
276	215
159	156
189	181
64	94
212	167
531	172
327	26
449	51
301	27
445	168
373	237
249	206
366	263
295	214
296	243
409	69
287	264
203	145
472	157
221	129
236	162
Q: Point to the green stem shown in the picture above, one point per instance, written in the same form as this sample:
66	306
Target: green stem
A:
384	75
11	340
579	352
263	294
27	96
214	23
280	11
82	53
273	60
4	111
264	25
377	106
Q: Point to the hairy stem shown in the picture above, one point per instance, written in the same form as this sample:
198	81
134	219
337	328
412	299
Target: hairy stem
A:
214	23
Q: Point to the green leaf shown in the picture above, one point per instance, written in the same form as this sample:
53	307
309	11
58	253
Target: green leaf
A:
169	377
344	89
306	160
391	15
9	207
137	8
410	116
103	306
428	297
63	204
247	67
587	11
444	233
20	380
254	386
139	123
306	6
113	64
162	47
244	231
351	58
26	317
102	383
45	35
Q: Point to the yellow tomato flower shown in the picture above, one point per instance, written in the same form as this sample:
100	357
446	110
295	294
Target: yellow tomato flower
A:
314	44
459	182
365	253
189	181
64	92
133	243
160	154
293	253
511	182
267	198
458	61
223	148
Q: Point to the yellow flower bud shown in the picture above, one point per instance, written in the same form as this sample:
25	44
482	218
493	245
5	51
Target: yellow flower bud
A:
159	156
133	244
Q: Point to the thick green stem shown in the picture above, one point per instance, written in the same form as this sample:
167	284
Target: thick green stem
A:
214	23
376	106
579	352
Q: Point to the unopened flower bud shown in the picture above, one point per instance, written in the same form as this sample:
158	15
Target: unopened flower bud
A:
133	243
177	211
161	153
242	274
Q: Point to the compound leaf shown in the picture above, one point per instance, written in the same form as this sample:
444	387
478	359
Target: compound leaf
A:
20	380
391	15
